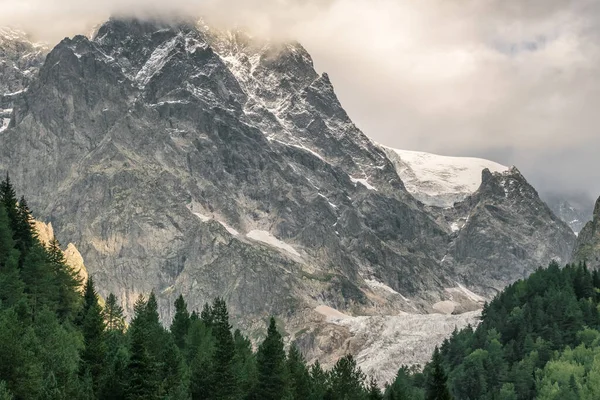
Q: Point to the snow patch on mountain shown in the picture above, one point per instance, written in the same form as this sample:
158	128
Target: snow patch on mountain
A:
439	180
363	182
269	239
206	218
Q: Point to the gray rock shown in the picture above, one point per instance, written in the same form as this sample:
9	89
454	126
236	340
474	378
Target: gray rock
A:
184	160
587	247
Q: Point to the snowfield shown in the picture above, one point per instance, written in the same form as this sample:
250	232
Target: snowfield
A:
439	180
381	344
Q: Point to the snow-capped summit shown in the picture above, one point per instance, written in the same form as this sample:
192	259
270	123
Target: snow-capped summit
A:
437	180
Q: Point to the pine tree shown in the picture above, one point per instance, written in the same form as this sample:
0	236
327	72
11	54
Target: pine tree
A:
206	315
436	388
39	280
67	281
298	376
347	380
319	381
142	373
113	314
11	285
271	366
224	377
374	393
200	349
245	364
24	231
181	322
8	198
92	328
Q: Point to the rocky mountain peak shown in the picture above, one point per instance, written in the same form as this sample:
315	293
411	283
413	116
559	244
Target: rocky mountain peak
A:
191	161
587	247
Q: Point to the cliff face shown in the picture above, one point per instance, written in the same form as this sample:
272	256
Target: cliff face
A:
587	247
186	160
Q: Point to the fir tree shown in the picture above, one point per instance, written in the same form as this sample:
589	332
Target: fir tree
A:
11	285
224	377
245	364
113	314
298	376
67	281
436	388
181	322
8	198
374	393
92	328
142	373
319	381
347	380
271	366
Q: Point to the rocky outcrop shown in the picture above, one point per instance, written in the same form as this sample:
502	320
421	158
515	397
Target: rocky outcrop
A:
190	161
73	258
504	231
575	210
20	60
587	247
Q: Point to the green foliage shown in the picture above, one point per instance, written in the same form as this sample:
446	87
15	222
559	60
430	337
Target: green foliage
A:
347	382
522	347
271	366
181	322
92	327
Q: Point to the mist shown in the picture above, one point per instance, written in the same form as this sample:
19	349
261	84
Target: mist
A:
514	81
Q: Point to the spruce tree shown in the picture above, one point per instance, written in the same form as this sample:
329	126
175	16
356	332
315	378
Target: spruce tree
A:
436	387
142	372
11	285
374	393
39	279
113	314
67	281
347	380
181	322
24	231
92	329
245	364
8	198
224	377
200	348
319	381
271	366
298	376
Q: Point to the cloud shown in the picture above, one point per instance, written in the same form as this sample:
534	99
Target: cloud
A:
516	81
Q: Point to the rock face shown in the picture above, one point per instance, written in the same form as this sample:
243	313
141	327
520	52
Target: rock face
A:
439	180
72	256
20	60
587	247
185	160
576	210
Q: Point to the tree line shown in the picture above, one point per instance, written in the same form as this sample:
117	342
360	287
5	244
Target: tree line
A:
538	339
58	342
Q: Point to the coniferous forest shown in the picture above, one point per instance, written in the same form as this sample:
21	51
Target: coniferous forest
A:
538	339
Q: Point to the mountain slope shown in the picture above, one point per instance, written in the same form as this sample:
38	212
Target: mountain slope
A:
20	60
187	160
587	246
439	180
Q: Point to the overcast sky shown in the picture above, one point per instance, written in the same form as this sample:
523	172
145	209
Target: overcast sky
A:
516	81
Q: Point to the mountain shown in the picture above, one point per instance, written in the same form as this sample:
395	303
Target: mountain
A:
187	160
439	180
575	210
20	60
587	247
